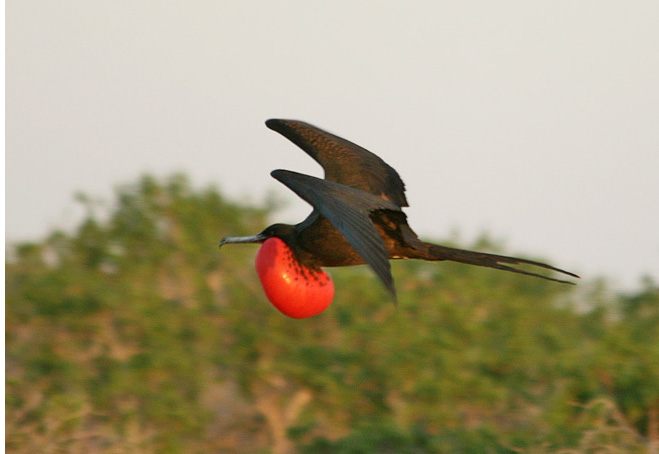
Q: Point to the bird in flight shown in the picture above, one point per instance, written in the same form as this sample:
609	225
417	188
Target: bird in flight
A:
357	218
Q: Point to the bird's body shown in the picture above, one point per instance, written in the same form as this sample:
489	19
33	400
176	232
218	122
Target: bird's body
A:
357	218
323	245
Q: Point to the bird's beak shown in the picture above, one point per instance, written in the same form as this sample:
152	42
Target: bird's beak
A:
258	238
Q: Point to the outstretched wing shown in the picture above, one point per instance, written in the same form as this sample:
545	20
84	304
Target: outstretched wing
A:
347	209
343	161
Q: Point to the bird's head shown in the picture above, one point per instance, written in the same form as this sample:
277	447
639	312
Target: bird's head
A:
282	231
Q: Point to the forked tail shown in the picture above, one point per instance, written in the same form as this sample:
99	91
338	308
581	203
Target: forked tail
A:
436	252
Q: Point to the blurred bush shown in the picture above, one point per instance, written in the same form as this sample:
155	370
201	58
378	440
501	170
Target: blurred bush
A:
135	334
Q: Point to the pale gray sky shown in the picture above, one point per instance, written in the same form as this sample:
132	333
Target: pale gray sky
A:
535	121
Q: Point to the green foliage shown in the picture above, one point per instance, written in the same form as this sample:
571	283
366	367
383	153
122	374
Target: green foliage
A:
386	438
134	333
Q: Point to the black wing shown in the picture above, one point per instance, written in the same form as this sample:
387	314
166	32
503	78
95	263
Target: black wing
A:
343	161
347	209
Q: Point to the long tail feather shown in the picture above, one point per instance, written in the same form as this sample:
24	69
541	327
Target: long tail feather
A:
436	252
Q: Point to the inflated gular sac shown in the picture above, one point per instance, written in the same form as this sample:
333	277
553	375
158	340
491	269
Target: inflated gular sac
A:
293	289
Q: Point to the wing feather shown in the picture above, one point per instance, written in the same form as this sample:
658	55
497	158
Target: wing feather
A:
343	161
347	209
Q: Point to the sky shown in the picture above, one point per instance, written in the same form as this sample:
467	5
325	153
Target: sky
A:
536	122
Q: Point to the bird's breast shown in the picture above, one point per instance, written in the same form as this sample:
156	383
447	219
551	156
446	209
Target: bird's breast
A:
323	245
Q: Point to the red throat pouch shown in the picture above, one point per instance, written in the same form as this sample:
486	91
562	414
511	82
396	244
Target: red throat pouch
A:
296	291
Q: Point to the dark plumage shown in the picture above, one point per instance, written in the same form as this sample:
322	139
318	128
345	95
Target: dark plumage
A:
357	213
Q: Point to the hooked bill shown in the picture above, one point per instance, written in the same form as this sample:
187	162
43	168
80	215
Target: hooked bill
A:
295	290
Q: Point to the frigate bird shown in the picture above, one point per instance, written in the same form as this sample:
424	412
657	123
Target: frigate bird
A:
357	218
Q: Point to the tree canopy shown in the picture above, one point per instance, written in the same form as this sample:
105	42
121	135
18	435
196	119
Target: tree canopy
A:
135	334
